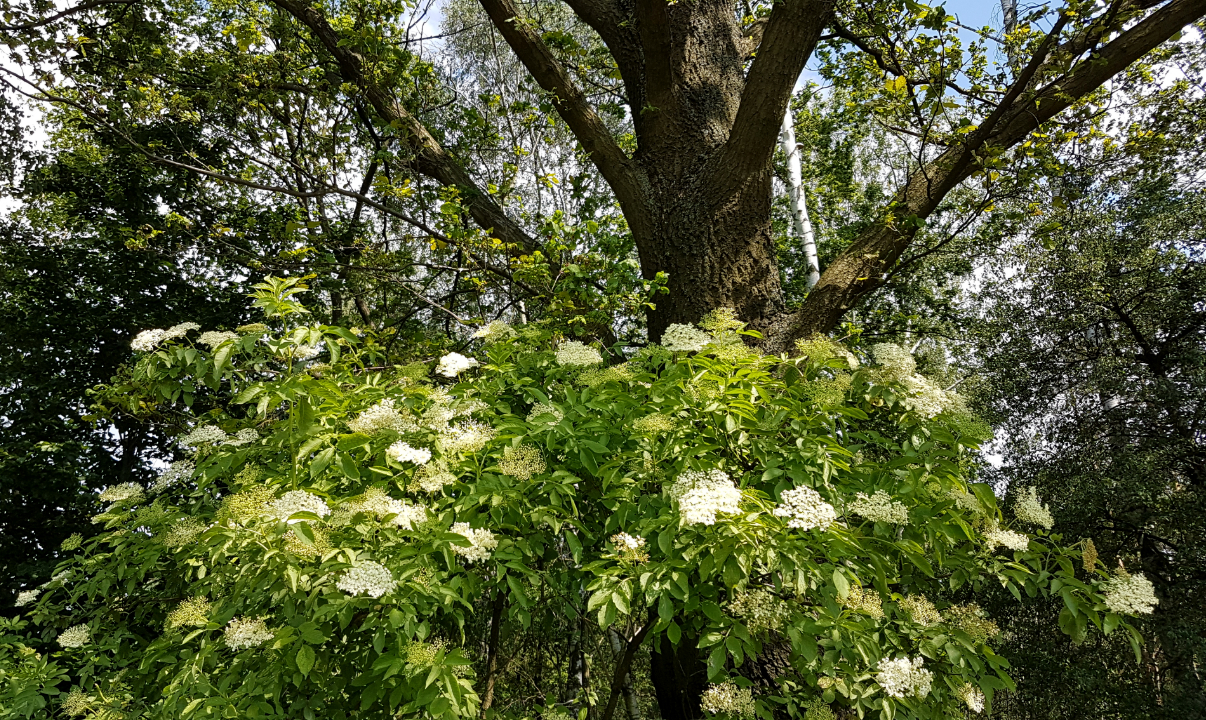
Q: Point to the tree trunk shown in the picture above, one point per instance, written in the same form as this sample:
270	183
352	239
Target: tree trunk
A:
680	676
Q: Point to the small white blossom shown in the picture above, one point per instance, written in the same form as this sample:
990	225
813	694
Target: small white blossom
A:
301	352
904	678
147	340
971	696
75	636
880	508
244	633
1028	508
895	359
244	436
806	509
367	578
575	354
540	409
453	364
180	330
925	398
128	493
482	542
403	452
701	495
728	699
376	502
629	548
684	338
214	338
296	501
996	536
470	437
177	471
495	331
25	597
382	416
1130	595
204	435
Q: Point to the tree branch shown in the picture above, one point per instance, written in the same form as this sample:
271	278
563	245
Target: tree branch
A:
860	269
624	664
788	40
62	14
573	107
430	158
612	20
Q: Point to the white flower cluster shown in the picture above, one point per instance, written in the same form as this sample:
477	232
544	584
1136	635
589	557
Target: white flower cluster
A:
967	501
1028	508
522	462
177	471
805	509
243	437
432	478
684	338
1130	595
545	409
880	508
183	532
403	452
243	633
375	502
574	353
300	352
903	678
453	364
926	398
470	437
629	548
495	331
482	542
894	359
214	338
147	340
204	435
728	699
296	501
25	597
367	578
760	610
128	493
75	636
971	696
382	416
997	537
75	703
700	495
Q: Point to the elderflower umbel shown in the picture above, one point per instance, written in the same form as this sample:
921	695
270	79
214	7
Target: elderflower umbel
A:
432	478
75	703
701	495
595	377
575	354
375	502
759	610
180	330
482	542
403	452
296	501
183	532
495	331
73	541
728	699
75	636
214	338
382	416
653	424
25	597
193	612
469	437
177	471
995	537
1130	595
629	548
1028	508
146	340
970	619
522	462
926	399
684	338
921	610
123	493
243	437
880	508
805	509
971	696
902	678
545	409
367	578
243	633
204	435
454	364
863	601
967	502
894	359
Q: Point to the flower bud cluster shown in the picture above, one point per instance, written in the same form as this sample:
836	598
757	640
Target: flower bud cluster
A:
654	424
495	331
864	601
548	409
177	471
880	508
684	338
382	416
522	462
204	435
761	611
123	494
193	612
920	610
728	699
575	354
214	338
1028	508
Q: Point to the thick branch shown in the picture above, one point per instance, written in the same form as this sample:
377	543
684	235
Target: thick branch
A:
571	104
623	664
42	22
862	267
612	20
788	40
430	159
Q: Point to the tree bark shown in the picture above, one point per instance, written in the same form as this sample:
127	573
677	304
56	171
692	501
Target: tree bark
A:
680	676
496	612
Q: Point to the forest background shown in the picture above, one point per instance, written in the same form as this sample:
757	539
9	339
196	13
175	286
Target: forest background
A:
1061	293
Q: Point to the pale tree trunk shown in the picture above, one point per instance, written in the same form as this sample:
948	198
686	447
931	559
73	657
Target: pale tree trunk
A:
799	204
630	698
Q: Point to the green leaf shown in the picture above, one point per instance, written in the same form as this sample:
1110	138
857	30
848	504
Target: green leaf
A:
303	532
305	659
716	662
841	583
